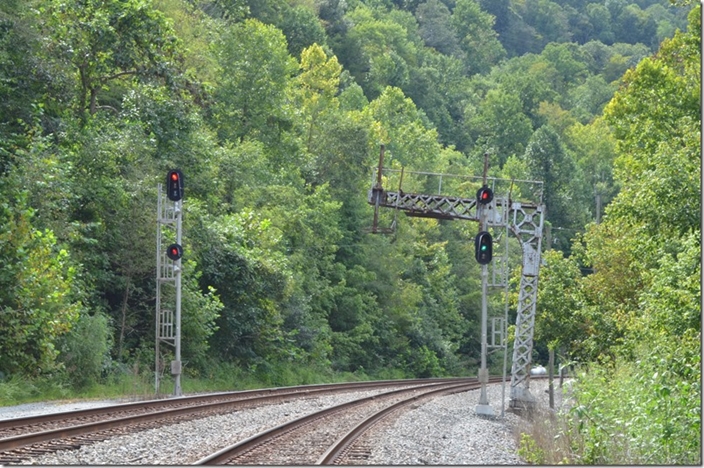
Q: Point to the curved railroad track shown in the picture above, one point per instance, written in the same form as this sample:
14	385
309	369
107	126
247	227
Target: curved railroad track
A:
328	436
24	438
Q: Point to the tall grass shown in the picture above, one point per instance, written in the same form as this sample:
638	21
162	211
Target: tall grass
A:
135	383
623	413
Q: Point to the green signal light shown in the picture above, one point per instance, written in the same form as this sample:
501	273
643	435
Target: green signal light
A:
482	246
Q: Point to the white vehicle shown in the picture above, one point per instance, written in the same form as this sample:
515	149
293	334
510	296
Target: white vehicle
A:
538	370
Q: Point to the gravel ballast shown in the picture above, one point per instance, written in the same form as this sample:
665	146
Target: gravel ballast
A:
447	431
35	409
442	431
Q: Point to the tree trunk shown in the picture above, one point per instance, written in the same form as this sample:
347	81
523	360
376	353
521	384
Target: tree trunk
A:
598	208
125	297
551	367
93	101
562	370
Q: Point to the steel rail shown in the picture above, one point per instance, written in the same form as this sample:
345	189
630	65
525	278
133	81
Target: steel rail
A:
201	405
241	447
197	399
337	451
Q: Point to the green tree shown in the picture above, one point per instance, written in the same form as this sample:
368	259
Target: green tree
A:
569	62
400	125
500	9
85	350
579	26
24	78
557	321
588	99
435	27
310	223
440	88
254	77
594	150
36	301
549	20
658	148
548	161
251	280
478	40
533	79
633	25
318	81
388	46
106	41
642	302
200	310
353	320
112	206
501	125
302	29
600	18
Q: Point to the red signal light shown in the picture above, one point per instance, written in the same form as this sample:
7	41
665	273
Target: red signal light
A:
485	195
174	185
174	252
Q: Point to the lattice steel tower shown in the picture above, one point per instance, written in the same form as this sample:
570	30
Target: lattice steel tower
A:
523	218
168	273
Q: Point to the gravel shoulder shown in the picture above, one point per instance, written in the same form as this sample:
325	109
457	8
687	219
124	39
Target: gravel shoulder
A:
443	431
48	407
447	431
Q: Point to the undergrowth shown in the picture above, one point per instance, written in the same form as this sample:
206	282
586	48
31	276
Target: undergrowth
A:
622	413
135	383
544	439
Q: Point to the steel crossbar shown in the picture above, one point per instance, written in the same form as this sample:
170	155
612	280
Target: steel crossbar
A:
523	219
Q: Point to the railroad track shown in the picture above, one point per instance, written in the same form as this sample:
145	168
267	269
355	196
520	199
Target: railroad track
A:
328	436
23	438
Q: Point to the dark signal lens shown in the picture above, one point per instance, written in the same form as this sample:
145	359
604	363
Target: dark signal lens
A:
174	252
485	195
482	248
174	185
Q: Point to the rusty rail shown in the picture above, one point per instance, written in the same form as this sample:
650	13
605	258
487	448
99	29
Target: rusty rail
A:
245	447
29	431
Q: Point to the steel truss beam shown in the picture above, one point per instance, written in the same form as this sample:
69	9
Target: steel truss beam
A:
525	220
527	225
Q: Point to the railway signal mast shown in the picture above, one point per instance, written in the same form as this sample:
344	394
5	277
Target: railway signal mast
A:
483	254
523	218
168	273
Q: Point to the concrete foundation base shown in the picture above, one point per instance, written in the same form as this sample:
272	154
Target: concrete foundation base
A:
521	399
484	410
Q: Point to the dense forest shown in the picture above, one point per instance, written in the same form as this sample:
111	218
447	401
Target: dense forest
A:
275	110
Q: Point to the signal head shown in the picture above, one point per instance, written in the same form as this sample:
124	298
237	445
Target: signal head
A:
485	195
174	185
174	252
483	248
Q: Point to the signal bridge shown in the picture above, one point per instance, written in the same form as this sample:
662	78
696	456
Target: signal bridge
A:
503	210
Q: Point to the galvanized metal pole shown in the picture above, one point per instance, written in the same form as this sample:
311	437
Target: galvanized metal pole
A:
158	290
504	337
176	365
483	407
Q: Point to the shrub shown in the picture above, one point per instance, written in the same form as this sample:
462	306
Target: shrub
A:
85	350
